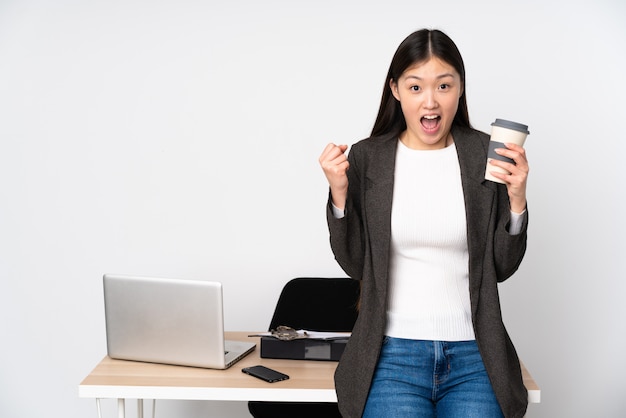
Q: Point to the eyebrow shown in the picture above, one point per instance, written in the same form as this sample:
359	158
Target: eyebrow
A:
444	75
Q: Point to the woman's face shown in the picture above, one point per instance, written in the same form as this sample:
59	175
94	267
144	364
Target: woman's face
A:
429	94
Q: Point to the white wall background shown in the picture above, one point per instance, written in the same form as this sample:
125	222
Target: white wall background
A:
180	138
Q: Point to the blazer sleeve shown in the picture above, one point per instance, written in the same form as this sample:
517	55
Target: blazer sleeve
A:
509	249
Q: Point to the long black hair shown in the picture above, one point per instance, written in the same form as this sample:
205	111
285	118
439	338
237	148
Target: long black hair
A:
416	48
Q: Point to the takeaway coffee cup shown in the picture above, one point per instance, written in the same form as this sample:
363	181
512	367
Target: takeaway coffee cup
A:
503	131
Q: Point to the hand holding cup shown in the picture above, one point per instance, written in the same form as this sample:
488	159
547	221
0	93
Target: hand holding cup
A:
506	160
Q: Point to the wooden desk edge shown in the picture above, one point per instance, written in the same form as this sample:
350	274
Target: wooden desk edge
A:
534	392
274	393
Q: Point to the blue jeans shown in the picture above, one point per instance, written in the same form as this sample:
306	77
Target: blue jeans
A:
429	379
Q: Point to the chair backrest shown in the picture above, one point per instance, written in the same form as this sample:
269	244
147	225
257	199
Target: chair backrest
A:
318	304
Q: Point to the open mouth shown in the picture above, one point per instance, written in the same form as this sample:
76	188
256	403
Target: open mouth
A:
430	122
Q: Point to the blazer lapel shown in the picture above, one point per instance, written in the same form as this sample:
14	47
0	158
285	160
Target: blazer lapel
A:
479	194
378	196
379	181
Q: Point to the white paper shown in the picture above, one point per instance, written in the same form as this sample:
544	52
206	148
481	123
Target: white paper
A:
314	335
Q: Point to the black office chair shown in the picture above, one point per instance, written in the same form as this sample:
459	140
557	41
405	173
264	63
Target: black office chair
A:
319	304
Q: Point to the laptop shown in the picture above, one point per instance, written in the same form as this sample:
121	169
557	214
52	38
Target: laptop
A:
170	321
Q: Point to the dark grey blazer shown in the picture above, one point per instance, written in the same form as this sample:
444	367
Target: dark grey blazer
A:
361	240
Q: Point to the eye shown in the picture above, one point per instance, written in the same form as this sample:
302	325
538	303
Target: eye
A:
444	87
415	88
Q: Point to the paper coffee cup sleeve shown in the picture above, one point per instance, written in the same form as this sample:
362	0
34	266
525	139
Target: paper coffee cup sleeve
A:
495	156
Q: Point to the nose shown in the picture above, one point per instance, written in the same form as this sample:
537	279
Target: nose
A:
430	101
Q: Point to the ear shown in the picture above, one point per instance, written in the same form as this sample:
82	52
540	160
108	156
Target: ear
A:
394	88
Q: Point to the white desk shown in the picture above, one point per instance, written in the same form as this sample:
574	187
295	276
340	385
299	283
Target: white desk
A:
310	381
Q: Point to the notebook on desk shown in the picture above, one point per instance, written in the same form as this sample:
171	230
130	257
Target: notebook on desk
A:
168	321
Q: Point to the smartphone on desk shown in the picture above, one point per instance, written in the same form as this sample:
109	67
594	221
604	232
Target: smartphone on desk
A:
265	373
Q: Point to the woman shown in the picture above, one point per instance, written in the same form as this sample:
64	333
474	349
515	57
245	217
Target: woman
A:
411	215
